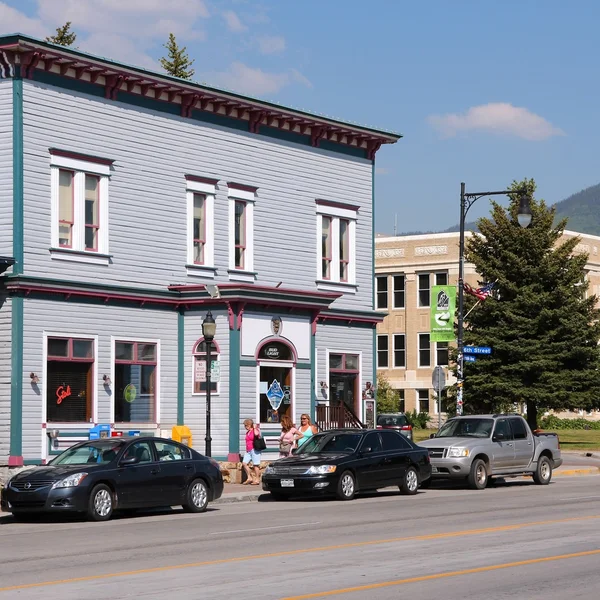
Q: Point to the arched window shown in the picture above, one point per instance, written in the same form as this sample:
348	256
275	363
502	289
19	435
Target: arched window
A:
275	350
199	366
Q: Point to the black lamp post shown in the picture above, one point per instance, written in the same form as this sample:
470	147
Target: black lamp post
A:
209	328
466	201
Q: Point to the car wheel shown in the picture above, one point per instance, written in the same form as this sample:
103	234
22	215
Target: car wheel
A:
278	497
346	486
543	473
196	497
478	476
425	484
410	483
100	505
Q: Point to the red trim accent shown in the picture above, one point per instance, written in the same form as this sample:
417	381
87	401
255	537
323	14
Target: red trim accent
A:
29	61
333	204
256	117
15	461
313	323
199	179
255	288
281	340
231	316
350	319
242	186
372	147
233	457
78	156
199	341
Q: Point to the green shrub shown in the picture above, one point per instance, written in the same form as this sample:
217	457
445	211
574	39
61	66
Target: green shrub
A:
418	420
553	422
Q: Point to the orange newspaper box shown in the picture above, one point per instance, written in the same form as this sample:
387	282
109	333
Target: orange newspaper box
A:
182	433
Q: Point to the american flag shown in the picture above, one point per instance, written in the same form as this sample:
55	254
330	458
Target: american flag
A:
480	293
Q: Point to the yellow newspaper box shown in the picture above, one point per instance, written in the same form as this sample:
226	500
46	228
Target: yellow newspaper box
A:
182	433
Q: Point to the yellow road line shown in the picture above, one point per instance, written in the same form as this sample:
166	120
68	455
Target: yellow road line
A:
374	586
220	561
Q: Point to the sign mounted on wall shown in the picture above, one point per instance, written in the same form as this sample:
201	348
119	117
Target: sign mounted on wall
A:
275	394
129	393
442	303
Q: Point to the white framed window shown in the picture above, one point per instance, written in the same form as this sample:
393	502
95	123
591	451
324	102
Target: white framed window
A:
135	381
79	207
199	358
336	245
423	401
399	351
200	197
381	295
425	281
398	291
441	354
241	232
424	350
383	359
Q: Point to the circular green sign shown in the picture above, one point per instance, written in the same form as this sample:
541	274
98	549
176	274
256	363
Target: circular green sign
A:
129	393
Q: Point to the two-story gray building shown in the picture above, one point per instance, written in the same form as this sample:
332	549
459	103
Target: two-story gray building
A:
131	204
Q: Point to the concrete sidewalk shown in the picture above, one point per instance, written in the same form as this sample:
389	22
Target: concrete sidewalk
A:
236	492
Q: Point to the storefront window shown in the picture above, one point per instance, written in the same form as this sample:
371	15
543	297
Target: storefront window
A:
135	382
276	394
69	380
343	380
200	358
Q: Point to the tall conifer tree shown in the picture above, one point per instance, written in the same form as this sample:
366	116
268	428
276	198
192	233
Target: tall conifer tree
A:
541	322
177	63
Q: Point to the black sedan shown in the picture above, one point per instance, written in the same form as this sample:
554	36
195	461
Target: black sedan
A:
344	462
101	476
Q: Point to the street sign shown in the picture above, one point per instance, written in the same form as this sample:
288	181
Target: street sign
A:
477	350
438	378
469	358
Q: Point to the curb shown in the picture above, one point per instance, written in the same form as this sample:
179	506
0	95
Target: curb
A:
229	499
573	472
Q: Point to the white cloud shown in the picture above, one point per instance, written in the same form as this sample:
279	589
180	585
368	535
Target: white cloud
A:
233	22
271	44
248	80
499	118
14	21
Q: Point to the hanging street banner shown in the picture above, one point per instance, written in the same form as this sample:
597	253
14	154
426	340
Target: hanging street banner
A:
443	304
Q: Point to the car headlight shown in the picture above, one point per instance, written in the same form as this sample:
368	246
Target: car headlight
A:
457	452
269	470
321	470
9	481
70	481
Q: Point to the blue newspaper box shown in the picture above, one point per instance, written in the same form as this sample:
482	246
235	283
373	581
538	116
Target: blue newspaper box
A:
100	431
134	433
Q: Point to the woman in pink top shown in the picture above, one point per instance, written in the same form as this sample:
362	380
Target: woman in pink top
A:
287	437
252	431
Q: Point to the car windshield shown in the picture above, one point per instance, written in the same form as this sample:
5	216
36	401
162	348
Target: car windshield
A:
99	453
481	428
391	420
331	442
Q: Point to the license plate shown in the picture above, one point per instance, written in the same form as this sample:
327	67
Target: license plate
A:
287	483
434	469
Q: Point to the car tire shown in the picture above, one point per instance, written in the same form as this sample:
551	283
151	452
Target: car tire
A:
425	484
478	477
196	497
101	503
410	482
279	497
346	488
543	472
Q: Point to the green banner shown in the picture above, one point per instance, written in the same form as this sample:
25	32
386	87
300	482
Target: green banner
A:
443	305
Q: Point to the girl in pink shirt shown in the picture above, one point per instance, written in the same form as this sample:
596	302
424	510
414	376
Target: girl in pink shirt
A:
287	437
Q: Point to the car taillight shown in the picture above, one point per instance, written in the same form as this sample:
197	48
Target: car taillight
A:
407	428
379	427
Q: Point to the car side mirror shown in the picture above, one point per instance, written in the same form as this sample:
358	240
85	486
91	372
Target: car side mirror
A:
295	450
367	450
498	437
431	435
131	460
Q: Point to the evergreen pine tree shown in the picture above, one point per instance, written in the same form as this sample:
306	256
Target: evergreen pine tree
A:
178	62
541	324
64	36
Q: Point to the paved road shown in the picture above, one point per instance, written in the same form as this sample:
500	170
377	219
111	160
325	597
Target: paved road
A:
513	541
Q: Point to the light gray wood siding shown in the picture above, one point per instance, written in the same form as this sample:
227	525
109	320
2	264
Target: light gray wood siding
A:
147	207
104	321
344	339
5	366
195	404
6	174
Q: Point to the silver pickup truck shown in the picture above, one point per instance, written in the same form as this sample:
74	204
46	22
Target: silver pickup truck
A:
479	447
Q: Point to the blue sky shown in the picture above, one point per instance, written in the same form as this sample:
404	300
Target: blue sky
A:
483	91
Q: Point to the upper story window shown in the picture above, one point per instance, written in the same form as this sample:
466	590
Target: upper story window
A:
79	207
241	232
383	360
336	245
441	354
424	350
398	291
426	280
381	292
200	193
399	350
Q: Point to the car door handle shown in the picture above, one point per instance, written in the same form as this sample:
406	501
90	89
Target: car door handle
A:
154	472
189	467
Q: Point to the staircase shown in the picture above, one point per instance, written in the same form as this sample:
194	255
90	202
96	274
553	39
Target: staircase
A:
337	417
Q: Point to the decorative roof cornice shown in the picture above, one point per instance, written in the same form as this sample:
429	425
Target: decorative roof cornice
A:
33	55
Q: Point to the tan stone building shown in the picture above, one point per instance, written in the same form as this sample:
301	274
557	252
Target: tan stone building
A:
405	269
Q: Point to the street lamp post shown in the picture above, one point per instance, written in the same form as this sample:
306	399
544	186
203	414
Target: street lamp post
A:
466	201
209	328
